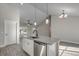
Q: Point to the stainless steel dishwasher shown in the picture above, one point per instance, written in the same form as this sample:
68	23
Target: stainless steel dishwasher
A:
40	49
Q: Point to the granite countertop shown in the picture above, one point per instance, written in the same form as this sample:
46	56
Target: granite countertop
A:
44	39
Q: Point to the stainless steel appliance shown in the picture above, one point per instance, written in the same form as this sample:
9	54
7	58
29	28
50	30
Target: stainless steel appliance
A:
40	49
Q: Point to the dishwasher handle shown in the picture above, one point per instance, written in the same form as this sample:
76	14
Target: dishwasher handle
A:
40	43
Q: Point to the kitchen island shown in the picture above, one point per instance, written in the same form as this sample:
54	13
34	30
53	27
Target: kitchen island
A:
41	46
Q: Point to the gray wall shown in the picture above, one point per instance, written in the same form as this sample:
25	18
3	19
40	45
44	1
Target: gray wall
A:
65	29
44	29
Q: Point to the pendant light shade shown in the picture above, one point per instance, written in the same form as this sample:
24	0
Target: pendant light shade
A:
35	18
61	16
65	15
35	23
47	21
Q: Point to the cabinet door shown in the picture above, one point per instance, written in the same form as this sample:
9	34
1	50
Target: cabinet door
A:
28	46
10	32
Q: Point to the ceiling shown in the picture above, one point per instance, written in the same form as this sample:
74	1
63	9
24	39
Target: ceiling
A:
8	11
55	9
27	10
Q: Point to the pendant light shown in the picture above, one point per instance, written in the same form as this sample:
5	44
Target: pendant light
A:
47	19
35	18
21	3
35	23
63	15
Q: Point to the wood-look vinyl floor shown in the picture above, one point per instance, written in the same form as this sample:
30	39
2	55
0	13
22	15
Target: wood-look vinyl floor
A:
12	50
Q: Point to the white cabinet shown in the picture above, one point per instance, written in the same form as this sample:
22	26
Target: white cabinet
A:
28	46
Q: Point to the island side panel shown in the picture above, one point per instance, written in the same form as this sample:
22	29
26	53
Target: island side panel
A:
52	50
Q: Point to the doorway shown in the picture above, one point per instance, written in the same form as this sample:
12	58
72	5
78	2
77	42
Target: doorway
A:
10	32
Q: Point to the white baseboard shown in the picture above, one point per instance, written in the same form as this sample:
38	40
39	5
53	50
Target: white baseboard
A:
6	45
69	41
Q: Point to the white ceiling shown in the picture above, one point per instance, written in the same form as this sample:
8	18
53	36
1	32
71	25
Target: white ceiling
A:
8	11
71	9
28	10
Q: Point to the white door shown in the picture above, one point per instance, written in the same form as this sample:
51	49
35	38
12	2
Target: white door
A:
10	32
